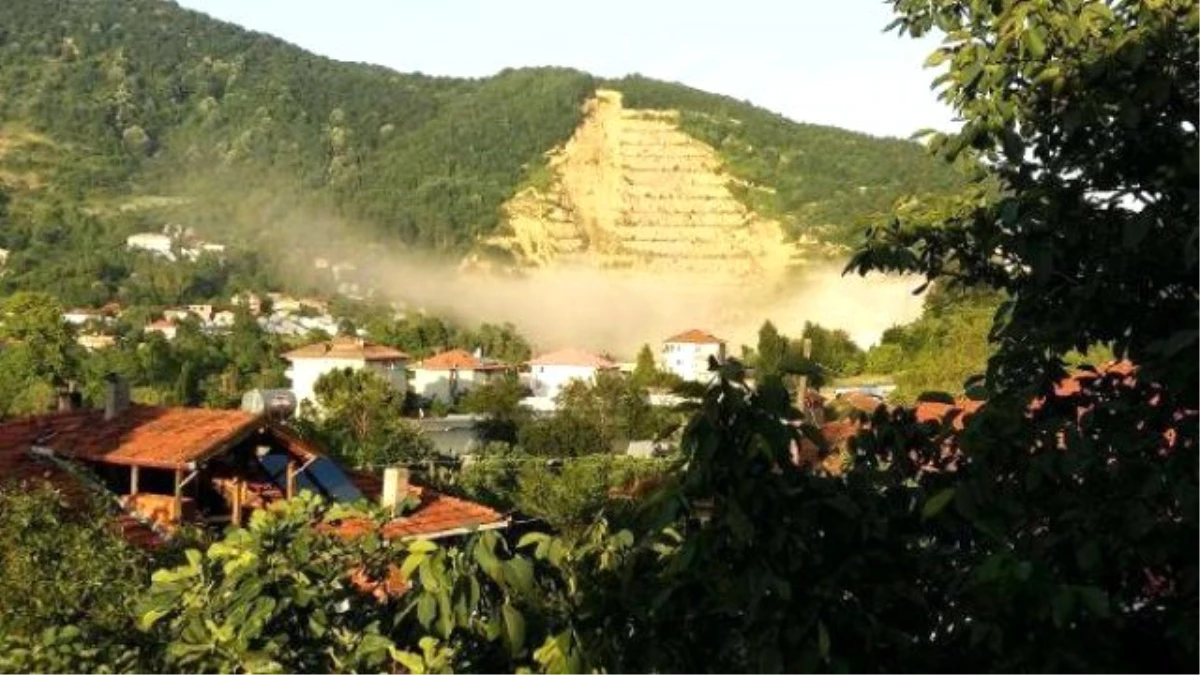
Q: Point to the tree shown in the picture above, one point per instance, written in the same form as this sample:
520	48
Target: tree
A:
646	370
288	593
564	435
833	351
67	583
1085	114
35	321
499	402
771	351
1084	216
359	417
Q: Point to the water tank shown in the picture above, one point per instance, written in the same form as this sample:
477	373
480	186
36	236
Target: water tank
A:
272	402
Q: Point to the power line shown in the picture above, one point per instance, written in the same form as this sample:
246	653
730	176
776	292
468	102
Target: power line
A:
493	461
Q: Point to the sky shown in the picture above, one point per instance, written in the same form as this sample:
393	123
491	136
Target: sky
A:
819	61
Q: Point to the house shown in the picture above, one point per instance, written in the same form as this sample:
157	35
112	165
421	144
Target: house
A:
312	361
163	326
223	319
284	303
93	342
159	244
78	317
687	354
250	300
166	467
205	312
550	373
449	375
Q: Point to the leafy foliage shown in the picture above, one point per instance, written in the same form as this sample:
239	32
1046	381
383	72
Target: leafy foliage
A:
66	583
358	417
942	349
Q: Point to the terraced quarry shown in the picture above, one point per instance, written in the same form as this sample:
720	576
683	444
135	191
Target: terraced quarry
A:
629	190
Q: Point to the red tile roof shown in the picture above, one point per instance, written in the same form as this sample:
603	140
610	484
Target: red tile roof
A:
436	515
347	348
572	357
20	466
862	401
933	411
148	436
459	359
695	336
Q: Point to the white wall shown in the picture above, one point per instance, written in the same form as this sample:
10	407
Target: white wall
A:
435	384
304	374
548	381
689	360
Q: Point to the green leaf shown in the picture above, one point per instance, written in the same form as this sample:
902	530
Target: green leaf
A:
935	504
1035	41
426	609
519	574
1095	600
823	641
413	663
514	628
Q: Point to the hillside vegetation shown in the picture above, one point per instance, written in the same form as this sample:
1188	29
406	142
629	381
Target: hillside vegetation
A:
141	98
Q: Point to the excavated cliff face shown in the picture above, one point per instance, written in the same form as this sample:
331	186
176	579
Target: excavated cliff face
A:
631	191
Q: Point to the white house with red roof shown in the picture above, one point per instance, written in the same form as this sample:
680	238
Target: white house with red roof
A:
312	361
450	374
687	354
550	373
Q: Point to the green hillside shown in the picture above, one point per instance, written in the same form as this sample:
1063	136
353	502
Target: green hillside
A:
109	106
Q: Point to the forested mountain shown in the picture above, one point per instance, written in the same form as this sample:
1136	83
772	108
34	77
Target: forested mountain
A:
114	105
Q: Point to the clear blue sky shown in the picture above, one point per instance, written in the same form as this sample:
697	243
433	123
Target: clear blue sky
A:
824	61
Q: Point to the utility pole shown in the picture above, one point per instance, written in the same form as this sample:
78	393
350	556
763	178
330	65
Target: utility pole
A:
806	350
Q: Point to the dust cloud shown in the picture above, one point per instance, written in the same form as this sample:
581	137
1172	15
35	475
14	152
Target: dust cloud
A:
619	310
615	311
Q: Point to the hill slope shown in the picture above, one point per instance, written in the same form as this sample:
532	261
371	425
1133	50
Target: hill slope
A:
138	111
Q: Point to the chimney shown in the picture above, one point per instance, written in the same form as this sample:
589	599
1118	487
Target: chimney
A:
116	396
66	402
395	487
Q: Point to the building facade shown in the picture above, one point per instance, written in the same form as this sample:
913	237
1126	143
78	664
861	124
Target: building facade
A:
550	373
687	354
449	375
310	362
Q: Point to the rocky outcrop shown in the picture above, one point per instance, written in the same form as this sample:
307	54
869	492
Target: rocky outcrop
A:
629	190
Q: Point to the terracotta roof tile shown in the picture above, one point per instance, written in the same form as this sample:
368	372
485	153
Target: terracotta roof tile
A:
347	348
143	435
695	336
460	359
20	466
437	515
572	357
862	401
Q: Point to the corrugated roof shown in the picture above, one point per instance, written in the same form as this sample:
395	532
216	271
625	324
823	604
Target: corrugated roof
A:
348	348
459	359
572	357
695	336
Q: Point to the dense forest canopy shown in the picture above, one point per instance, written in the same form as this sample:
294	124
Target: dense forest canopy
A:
110	103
